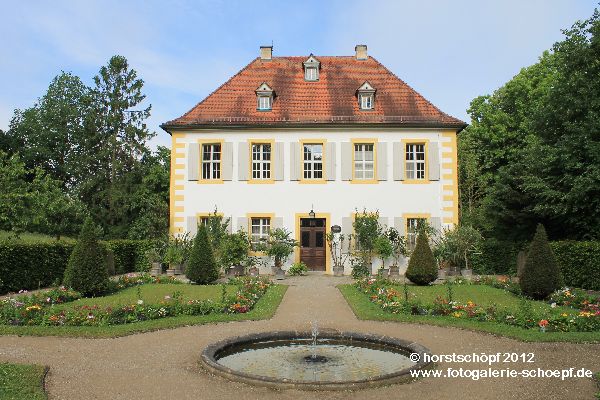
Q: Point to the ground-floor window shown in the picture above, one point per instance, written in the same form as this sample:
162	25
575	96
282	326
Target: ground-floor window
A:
260	228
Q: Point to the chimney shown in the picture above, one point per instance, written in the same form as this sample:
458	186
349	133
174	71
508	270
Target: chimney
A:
266	53
361	52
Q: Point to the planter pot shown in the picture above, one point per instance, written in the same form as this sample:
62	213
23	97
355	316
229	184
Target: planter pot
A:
175	269
442	273
275	270
253	271
236	270
394	272
280	275
338	271
156	269
467	273
383	272
453	271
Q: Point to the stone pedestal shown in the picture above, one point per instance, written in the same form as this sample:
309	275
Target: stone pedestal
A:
338	271
394	272
156	269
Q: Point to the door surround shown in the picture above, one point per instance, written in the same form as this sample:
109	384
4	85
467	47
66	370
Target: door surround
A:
327	217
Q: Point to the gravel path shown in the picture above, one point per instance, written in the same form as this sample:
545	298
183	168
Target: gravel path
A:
165	364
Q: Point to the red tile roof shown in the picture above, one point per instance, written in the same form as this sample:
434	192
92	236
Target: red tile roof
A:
330	100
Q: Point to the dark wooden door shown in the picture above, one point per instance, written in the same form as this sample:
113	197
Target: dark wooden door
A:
312	243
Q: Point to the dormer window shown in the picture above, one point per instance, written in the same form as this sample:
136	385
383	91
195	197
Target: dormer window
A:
264	97
311	69
366	96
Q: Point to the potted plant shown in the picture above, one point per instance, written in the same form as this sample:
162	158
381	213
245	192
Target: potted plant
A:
367	229
278	247
339	256
250	265
234	252
176	254
382	246
153	256
399	250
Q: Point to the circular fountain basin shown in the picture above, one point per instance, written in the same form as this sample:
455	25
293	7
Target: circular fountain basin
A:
340	361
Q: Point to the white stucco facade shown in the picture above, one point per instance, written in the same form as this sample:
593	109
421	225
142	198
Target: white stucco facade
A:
285	200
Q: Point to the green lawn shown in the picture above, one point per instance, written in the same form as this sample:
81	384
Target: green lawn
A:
364	309
482	295
264	309
22	382
154	293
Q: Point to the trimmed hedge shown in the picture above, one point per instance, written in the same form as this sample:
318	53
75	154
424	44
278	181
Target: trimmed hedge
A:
36	265
579	263
497	257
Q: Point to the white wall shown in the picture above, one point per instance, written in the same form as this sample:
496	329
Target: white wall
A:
339	198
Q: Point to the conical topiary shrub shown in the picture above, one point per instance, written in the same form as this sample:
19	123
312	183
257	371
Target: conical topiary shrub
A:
422	269
541	275
202	267
86	270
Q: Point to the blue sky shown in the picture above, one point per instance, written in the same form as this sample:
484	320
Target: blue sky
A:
449	50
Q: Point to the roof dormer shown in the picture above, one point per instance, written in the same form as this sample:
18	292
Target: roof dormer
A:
264	97
311	68
366	96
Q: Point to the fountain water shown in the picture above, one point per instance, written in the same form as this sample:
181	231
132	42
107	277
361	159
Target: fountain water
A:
314	357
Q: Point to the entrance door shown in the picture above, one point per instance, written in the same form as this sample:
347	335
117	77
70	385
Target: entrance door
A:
312	243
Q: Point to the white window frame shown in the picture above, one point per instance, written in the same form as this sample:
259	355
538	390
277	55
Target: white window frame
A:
366	101
264	103
261	161
262	226
311	74
362	171
415	163
312	168
211	165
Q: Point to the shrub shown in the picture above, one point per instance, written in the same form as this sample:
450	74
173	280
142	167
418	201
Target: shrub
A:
129	255
87	271
496	257
298	268
422	269
202	267
578	262
541	275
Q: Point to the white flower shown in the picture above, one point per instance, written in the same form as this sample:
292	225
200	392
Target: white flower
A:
553	305
140	302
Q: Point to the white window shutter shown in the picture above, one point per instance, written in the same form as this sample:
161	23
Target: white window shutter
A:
192	225
193	161
330	161
294	161
347	161
227	172
242	224
277	222
400	225
229	225
243	161
347	228
436	223
382	161
278	167
383	222
434	161
398	161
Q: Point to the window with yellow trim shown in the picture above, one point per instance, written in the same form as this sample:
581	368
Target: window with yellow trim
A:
364	161
261	161
412	228
259	230
415	161
211	161
313	161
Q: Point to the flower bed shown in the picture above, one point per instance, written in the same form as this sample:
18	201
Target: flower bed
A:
550	318
31	310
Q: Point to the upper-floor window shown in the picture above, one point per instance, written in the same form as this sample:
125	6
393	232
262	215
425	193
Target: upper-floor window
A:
412	230
364	161
211	161
264	103
264	97
313	161
261	161
311	68
366	96
259	230
415	161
